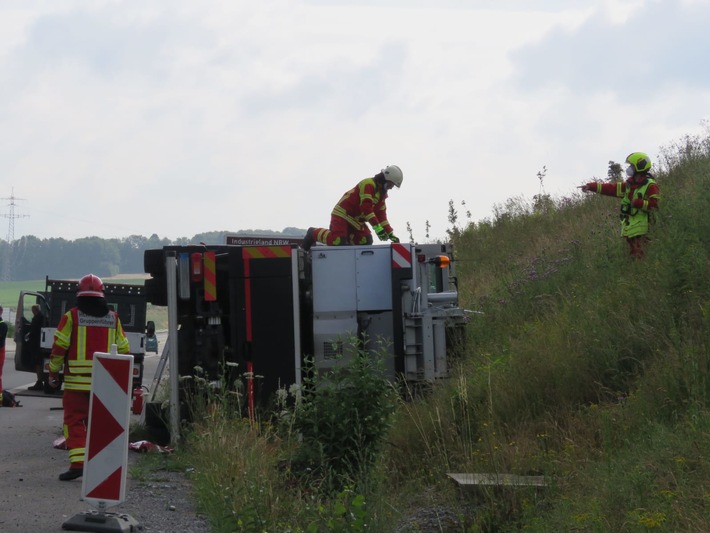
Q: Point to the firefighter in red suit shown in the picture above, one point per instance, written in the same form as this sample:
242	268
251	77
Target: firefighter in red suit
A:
88	327
362	205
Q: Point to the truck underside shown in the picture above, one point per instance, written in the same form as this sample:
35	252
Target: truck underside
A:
253	315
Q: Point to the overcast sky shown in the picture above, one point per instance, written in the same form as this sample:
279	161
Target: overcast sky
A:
176	117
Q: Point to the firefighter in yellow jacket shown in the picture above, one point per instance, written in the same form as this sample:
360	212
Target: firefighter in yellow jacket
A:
639	195
362	205
87	328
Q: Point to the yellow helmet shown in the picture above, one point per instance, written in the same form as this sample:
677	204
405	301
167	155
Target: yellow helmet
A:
640	161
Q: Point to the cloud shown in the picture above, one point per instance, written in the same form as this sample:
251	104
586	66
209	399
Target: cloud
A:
172	118
343	87
660	44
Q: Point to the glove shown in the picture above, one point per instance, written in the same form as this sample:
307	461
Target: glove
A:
637	203
393	237
590	187
381	233
53	380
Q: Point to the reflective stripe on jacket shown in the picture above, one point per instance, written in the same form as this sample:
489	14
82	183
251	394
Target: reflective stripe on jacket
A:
364	203
76	339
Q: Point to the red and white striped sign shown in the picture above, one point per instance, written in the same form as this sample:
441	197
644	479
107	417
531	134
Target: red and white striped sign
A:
210	281
401	256
104	480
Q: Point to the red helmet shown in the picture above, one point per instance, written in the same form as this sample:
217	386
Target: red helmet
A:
91	285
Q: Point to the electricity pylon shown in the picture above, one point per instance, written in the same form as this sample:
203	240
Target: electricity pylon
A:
7	266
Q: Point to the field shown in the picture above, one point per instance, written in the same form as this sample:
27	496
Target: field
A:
10	290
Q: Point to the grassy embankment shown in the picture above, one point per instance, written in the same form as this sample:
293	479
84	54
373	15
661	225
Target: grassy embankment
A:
585	367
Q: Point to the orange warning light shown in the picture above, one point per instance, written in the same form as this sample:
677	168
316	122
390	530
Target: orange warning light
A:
442	261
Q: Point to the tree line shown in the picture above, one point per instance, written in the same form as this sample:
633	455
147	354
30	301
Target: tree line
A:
31	258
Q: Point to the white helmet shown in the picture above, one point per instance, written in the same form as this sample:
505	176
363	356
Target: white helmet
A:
394	174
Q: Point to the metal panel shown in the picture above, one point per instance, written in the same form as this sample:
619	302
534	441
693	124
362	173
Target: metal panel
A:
439	327
331	335
377	329
333	275
373	278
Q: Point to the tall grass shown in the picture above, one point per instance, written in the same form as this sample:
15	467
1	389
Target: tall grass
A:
583	366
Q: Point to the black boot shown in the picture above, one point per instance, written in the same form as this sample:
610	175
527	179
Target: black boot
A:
70	474
308	240
37	386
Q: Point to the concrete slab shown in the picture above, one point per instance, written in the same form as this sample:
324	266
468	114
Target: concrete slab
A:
498	480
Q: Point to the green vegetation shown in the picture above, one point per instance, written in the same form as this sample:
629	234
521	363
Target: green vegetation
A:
10	291
584	366
306	467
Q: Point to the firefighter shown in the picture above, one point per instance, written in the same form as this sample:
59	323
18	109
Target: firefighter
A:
88	327
639	198
362	205
3	338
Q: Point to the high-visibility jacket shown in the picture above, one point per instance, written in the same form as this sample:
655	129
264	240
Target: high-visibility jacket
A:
634	221
364	203
76	339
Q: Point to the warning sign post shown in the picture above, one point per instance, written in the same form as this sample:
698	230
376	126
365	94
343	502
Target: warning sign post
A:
104	481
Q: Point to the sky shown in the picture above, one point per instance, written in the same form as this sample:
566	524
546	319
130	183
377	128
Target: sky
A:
178	117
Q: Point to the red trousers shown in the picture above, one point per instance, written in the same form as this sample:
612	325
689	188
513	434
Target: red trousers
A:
76	420
340	232
637	246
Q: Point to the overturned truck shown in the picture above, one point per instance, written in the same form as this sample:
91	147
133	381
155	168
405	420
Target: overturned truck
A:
263	309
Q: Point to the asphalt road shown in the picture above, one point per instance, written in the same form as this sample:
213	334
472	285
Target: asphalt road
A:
32	499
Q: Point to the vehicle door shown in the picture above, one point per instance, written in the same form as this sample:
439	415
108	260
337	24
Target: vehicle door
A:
23	319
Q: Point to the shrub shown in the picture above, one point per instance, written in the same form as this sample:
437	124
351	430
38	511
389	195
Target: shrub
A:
342	421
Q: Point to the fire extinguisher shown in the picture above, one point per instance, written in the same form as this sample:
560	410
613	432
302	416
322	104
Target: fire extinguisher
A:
137	401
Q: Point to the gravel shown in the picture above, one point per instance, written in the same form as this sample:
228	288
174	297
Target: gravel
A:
162	502
431	519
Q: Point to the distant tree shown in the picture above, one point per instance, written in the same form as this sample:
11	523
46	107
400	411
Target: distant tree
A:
210	237
33	258
296	232
614	173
